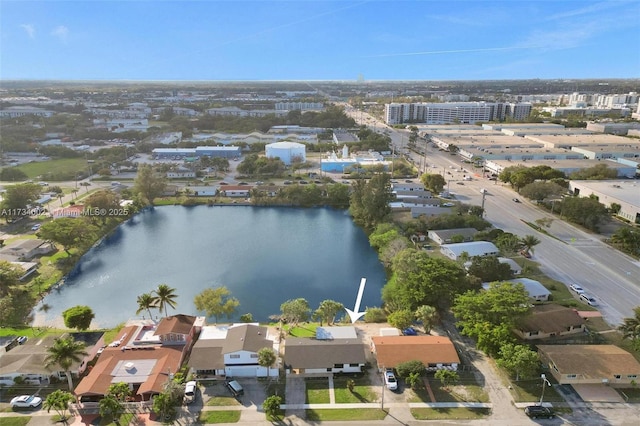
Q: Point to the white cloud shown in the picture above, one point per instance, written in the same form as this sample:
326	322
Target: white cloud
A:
61	32
29	29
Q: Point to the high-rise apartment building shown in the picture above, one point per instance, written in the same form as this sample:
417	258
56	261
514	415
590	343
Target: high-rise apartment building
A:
460	112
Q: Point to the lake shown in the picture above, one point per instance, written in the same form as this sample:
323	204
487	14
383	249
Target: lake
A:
264	256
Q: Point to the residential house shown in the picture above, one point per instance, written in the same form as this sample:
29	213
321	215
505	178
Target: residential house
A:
429	211
231	351
435	352
181	173
145	355
536	290
550	321
473	249
417	187
590	364
203	191
324	355
444	236
28	360
418	197
25	250
236	191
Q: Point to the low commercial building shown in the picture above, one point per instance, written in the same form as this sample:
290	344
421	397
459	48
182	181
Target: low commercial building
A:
624	193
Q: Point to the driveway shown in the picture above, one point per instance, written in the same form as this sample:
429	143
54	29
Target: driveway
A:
598	393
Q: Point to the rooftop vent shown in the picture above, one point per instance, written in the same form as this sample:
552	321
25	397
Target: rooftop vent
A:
129	366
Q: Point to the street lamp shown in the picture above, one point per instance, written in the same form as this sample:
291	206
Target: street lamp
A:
544	381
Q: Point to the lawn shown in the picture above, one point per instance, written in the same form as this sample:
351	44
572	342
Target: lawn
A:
111	334
354	414
465	390
125	419
276	388
46	170
211	417
449	413
530	390
362	391
222	401
15	421
317	391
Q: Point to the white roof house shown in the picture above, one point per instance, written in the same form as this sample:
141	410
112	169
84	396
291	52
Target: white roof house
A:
472	248
536	290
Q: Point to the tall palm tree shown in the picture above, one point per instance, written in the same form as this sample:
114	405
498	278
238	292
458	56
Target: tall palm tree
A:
147	301
166	296
630	328
529	242
64	352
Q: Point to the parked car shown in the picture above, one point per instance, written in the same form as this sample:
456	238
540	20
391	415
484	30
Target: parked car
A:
410	331
190	389
535	411
234	387
22	340
390	380
26	401
36	227
589	300
576	288
515	200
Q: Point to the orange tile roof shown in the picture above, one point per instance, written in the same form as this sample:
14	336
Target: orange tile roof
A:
167	358
180	324
393	350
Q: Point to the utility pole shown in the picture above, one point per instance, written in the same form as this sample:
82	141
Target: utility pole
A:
544	381
484	194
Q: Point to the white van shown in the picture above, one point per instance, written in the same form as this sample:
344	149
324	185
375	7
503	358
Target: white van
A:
190	389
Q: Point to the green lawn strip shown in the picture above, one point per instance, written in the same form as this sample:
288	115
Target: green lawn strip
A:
222	401
30	332
317	391
15	421
46	169
362	391
449	413
465	390
530	390
125	419
111	334
306	330
340	414
212	417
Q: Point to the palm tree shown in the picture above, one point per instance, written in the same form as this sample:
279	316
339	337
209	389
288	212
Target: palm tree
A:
630	328
528	242
166	296
64	352
147	301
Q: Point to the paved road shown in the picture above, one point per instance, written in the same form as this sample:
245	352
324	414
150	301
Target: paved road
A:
573	256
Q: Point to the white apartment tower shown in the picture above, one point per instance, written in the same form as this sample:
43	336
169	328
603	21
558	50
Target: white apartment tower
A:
456	112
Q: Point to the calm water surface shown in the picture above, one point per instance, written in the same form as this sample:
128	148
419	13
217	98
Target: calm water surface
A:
264	256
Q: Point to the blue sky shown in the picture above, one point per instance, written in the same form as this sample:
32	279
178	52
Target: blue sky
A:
318	40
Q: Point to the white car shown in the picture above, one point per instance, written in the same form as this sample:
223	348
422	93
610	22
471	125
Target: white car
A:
26	401
390	380
589	300
576	288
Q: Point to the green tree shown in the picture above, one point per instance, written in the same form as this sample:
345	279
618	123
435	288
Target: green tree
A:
542	190
428	315
12	174
295	311
112	405
375	315
414	380
69	232
370	200
585	211
146	302
328	309
266	357
401	319
9	276
508	243
418	279
216	302
405	369
434	182
16	198
248	317
59	401
529	242
446	377
64	352
630	328
106	200
271	406
382	236
166	297
489	269
627	240
164	406
518	360
338	196
78	317
149	184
